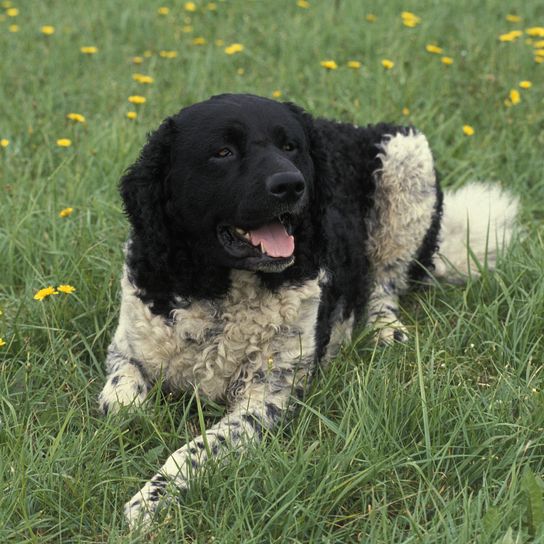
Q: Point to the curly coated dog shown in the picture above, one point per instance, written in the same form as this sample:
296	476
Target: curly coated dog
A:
260	238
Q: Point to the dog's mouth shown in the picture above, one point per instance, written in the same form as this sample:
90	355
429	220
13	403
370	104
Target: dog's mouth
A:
268	247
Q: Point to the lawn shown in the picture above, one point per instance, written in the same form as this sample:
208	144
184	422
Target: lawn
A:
438	440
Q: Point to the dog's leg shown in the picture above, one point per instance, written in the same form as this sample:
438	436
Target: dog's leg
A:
404	205
126	384
260	401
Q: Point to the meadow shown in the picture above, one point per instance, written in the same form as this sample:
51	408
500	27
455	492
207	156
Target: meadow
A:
438	440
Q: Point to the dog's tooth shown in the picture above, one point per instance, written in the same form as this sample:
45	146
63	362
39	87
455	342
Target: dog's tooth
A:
239	231
263	250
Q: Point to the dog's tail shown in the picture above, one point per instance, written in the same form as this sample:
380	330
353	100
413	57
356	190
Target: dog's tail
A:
478	223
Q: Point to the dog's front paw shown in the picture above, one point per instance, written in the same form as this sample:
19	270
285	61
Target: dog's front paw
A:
139	510
121	391
388	332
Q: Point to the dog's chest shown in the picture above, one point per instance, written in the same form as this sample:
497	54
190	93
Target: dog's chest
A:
207	341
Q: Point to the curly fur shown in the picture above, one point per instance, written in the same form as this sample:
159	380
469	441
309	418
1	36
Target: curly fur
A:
203	308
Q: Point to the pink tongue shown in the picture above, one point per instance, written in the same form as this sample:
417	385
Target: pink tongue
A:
275	240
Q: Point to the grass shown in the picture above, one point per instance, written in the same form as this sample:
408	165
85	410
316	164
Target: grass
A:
440	440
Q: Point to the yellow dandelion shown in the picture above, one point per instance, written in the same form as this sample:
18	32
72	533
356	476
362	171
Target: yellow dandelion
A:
387	64
219	43
137	60
66	288
276	94
371	18
304	4
12	12
525	84
200	40
539	59
329	64
141	78
410	19
163	11
431	48
240	71
510	36
507	103
76	117
354	64
43	293
447	60
405	111
136	99
514	96
13	28
539	52
89	49
47	30
187	29
212	6
537	31
66	212
468	130
168	54
234	48
64	142
4	142
132	115
513	18
190	6
538	44
2	342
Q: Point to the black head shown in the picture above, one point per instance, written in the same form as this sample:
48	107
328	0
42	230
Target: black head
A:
226	183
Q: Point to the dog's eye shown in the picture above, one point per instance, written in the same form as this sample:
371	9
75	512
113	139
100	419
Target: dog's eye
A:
223	152
288	147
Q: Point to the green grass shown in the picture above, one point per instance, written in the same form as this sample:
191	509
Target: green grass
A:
440	440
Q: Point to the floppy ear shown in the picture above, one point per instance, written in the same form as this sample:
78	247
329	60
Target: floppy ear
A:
144	192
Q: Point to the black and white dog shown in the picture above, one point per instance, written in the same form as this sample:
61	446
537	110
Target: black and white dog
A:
260	238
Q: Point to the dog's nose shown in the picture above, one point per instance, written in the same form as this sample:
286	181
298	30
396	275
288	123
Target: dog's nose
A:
286	186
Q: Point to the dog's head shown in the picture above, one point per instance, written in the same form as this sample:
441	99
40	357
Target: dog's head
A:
229	180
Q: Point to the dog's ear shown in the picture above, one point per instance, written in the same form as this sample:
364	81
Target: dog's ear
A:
143	186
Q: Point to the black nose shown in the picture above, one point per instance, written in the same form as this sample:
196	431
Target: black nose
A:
286	186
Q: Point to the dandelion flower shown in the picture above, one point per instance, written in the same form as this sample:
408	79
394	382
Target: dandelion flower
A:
525	84
190	6
513	18
2	342
304	4
539	59
132	115
76	117
468	130
163	11
371	18
141	78
199	41
43	293
539	52
234	48
13	28
89	49
538	44
430	48
514	96
47	30
355	64
137	60
536	31
405	111
387	64
4	142
66	289
447	60
410	19
64	142
168	54
66	212
329	64
136	99
510	36
12	12
276	93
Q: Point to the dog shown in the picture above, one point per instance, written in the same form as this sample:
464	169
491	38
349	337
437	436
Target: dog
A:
260	238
